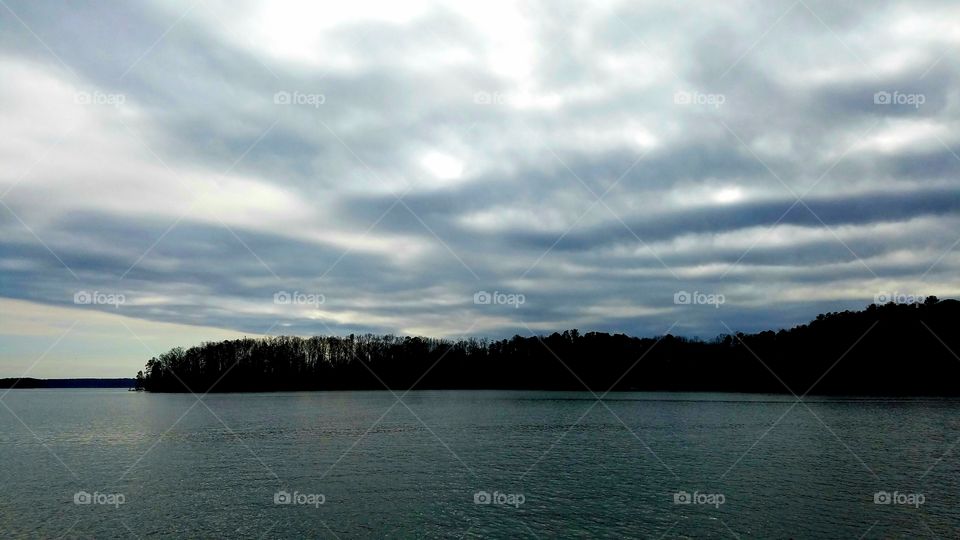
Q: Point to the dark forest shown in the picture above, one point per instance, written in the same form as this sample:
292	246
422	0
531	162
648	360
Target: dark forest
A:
894	349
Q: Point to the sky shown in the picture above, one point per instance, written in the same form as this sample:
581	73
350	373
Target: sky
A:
174	172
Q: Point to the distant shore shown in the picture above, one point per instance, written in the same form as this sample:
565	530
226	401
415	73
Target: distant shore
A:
890	350
31	383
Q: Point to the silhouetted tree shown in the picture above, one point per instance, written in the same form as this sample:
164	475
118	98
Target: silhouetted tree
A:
891	349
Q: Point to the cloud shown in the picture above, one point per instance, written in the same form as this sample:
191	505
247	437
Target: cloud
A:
200	158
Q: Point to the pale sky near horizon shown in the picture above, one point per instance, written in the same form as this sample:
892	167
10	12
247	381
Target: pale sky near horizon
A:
184	171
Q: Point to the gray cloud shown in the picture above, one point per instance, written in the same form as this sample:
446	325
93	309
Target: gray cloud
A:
199	196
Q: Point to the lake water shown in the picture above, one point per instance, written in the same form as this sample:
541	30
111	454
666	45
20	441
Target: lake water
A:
553	464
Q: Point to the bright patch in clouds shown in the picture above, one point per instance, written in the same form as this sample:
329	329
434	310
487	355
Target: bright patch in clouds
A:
728	195
442	166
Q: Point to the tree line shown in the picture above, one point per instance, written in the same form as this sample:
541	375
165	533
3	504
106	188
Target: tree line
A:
893	349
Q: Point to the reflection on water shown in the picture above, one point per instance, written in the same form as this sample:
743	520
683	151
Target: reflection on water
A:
476	464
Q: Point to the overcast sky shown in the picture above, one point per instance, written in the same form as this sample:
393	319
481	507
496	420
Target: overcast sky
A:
179	171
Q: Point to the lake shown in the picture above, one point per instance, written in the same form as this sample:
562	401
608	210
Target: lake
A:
476	464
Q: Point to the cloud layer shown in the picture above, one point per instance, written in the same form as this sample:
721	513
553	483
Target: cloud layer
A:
198	159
